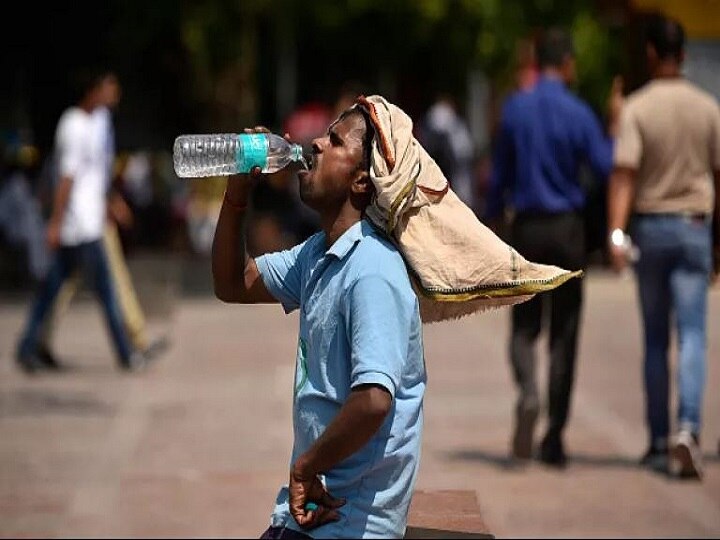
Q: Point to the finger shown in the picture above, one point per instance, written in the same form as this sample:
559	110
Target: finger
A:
305	519
299	513
331	502
256	172
315	518
261	129
325	515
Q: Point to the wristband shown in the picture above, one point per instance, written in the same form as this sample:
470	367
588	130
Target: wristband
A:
617	237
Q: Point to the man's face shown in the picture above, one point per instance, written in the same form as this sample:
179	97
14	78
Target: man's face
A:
336	163
95	97
110	91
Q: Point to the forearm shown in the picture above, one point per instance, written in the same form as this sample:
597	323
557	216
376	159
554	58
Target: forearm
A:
60	199
716	214
716	226
358	420
229	255
621	193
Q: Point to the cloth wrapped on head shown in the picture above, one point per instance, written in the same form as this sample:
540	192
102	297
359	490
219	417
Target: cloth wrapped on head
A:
458	266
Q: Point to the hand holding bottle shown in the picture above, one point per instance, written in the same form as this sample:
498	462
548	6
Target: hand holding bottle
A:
240	184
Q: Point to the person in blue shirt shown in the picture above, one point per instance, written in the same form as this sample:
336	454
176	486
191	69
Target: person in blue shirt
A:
360	371
546	134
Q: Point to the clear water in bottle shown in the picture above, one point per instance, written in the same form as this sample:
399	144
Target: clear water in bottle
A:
224	154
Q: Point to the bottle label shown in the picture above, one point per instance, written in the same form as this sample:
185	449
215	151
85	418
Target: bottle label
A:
252	152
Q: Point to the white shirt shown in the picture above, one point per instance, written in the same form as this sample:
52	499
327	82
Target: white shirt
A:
105	130
81	156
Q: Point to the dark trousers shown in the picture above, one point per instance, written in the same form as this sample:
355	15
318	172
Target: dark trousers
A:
281	533
557	239
90	258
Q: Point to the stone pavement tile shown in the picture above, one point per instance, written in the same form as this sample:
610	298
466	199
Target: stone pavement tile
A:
230	504
31	509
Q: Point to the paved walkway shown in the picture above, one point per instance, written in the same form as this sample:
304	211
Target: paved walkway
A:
197	445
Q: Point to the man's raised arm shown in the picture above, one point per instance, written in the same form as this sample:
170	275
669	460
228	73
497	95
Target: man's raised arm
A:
235	276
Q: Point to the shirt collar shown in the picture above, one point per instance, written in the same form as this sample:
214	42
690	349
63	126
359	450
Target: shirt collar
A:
347	240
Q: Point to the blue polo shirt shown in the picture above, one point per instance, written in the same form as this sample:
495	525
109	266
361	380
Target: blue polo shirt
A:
545	134
359	324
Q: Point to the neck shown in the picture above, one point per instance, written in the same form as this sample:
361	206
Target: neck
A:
667	69
551	72
86	106
334	224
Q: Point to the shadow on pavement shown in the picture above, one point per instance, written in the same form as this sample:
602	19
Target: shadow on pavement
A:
30	402
507	463
501	461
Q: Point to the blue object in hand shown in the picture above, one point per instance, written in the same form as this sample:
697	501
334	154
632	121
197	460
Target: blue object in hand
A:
311	507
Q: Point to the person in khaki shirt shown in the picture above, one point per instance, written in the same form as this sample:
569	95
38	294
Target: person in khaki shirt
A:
666	159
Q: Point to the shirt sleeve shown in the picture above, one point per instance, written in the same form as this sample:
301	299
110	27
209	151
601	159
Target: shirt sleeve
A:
70	145
628	148
281	273
379	320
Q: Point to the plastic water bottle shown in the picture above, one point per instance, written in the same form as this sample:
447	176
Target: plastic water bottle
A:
223	154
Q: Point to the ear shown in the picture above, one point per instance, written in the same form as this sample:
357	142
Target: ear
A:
569	69
362	183
651	52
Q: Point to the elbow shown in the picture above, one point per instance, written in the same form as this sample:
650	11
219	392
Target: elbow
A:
221	294
225	288
222	297
224	293
379	403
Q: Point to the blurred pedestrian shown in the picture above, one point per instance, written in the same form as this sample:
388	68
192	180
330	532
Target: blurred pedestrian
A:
661	190
119	214
75	229
545	134
446	136
21	220
360	375
526	72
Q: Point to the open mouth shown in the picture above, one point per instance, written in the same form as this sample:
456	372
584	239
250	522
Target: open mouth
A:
308	165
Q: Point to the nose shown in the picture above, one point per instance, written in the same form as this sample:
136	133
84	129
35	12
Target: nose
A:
317	146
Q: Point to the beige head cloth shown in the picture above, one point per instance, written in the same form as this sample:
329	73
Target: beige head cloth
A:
458	265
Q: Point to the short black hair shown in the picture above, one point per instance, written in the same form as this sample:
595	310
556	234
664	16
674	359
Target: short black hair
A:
667	37
553	47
